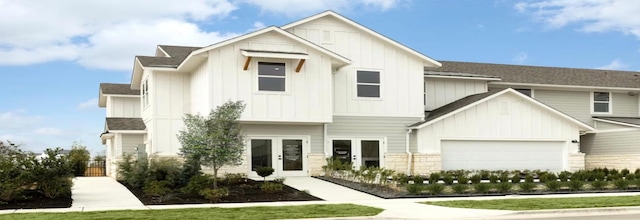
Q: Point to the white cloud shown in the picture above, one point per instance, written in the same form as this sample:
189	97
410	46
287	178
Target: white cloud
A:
297	7
520	58
89	104
591	16
614	65
17	119
49	131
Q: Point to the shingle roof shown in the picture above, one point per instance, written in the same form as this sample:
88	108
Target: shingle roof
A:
446	109
125	124
628	120
435	73
118	89
177	54
545	75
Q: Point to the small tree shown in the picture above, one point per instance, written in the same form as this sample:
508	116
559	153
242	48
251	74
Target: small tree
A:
216	140
79	158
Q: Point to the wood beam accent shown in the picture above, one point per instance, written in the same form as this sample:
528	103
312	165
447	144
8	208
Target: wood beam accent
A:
246	63
300	65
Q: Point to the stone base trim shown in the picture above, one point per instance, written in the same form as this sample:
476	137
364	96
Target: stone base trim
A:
396	162
618	161
425	164
316	162
576	162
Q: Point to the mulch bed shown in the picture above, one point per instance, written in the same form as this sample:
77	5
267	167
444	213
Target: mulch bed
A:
375	190
32	199
248	191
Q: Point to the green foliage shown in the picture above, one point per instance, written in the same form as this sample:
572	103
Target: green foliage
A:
435	189
484	174
279	180
548	177
157	188
613	172
415	189
133	172
599	184
575	185
624	171
515	178
504	177
493	179
214	195
637	182
401	178
418	180
614	177
271	187
463	179
165	169
482	188
190	168
216	140
52	174
637	172
621	184
564	176
197	183
235	178
79	158
599	175
553	185
527	186
476	178
264	172
448	180
14	175
434	178
630	176
503	187
460	188
581	175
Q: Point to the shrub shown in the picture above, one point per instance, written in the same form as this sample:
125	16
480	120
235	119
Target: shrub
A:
418	180
613	172
504	187
630	176
271	187
165	169
463	179
415	189
157	188
235	178
580	175
528	178
621	184
79	158
637	182
575	185
190	168
547	177
134	172
526	186
637	172
504	177
476	178
401	178
435	188
553	186
434	178
615	177
484	174
599	184
279	180
515	178
482	188
264	172
214	195
605	171
493	179
13	171
197	183
624	171
52	174
564	176
600	175
460	188
448	180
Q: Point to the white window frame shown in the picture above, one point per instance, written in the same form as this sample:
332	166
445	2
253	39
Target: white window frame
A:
592	101
287	75
145	92
356	84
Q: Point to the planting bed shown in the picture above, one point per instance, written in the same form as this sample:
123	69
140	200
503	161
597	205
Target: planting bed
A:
247	191
32	199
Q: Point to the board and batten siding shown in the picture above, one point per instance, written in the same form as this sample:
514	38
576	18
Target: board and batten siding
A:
314	132
611	143
394	129
200	90
506	117
125	107
308	93
129	142
440	92
401	73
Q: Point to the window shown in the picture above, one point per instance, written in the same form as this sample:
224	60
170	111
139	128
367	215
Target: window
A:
271	77
601	102
526	92
145	92
368	83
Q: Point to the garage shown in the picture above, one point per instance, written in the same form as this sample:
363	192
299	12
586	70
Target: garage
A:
502	155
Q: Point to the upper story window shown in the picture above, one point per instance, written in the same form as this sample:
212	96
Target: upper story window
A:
145	92
527	92
601	102
271	76
368	83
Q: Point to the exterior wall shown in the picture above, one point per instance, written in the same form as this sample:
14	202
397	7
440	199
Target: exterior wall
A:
169	95
425	164
600	125
624	105
129	142
200	90
611	143
576	162
507	117
617	161
401	73
126	107
394	129
316	161
440	92
315	133
307	97
396	161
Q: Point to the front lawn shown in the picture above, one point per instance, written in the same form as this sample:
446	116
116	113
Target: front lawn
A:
280	212
537	204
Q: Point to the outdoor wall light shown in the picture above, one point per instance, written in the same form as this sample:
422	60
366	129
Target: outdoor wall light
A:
575	141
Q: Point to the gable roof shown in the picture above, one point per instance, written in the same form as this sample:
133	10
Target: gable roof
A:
176	54
426	59
124	124
628	121
546	75
114	89
473	100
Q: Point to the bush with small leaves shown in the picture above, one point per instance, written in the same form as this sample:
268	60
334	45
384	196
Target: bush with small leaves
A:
418	180
504	187
448	180
401	178
415	189
528	178
600	175
157	188
463	179
564	176
553	186
476	178
621	184
615	177
504	177
460	188
214	195
197	183
630	177
235	178
279	180
264	172
485	174
515	178
575	185
493	179
548	177
580	175
624	171
637	172
434	178
527	186
271	187
605	171
435	189
599	184
482	188
636	182
613	171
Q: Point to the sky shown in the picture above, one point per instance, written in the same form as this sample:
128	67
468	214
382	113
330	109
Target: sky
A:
54	54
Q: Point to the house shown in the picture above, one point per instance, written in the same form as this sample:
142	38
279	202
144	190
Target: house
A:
326	86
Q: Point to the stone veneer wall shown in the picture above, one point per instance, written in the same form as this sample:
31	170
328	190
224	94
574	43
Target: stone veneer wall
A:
396	162
242	168
576	162
316	161
425	164
619	161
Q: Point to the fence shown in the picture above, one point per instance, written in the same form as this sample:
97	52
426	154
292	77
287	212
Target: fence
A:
96	168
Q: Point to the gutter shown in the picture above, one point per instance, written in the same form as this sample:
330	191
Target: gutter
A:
326	140
409	154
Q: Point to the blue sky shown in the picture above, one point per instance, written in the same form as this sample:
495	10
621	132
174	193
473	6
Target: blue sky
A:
54	54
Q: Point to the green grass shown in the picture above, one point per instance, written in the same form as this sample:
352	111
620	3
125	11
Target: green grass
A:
537	204
258	212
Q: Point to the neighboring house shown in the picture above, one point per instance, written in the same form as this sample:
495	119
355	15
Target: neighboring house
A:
45	155
325	86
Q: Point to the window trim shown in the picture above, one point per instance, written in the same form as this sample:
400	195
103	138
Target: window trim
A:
145	92
287	75
593	101
530	91
356	84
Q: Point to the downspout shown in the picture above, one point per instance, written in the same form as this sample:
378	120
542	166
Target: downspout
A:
326	140
409	154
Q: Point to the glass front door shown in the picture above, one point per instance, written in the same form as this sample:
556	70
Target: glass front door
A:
285	155
360	152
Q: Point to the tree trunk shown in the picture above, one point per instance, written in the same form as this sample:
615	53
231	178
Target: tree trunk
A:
215	178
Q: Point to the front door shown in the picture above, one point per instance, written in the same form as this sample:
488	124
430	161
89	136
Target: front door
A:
287	156
360	152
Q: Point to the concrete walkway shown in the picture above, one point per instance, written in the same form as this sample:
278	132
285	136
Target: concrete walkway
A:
328	191
102	193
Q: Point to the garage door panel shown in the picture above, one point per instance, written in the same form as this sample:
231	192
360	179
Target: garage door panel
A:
502	155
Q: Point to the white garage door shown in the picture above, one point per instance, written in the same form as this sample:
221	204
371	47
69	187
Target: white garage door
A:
502	155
